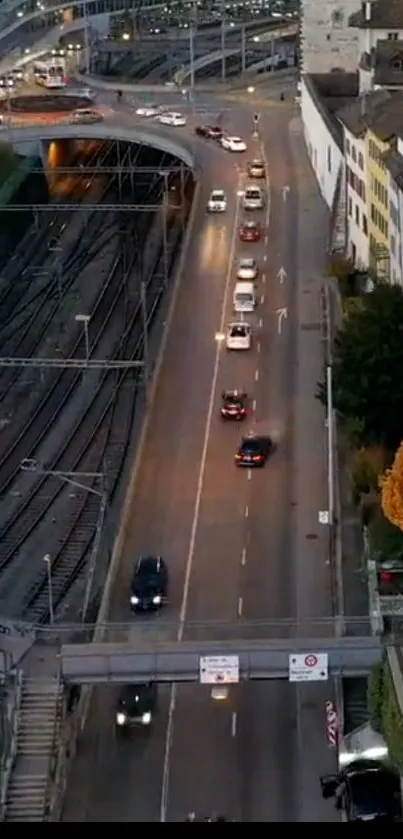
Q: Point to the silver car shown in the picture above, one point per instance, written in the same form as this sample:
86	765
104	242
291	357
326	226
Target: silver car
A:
247	269
253	198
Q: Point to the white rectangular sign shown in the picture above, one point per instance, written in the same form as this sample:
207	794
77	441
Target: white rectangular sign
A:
219	669
308	667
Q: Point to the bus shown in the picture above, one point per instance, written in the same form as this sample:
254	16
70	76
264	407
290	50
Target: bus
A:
51	74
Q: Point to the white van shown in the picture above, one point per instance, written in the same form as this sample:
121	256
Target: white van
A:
244	299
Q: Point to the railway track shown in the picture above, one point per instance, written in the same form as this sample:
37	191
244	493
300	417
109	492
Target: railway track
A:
17	274
83	450
58	389
112	401
106	437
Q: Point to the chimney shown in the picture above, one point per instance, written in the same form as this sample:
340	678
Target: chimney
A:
367	10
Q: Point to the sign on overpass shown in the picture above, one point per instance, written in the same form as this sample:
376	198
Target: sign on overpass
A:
131	661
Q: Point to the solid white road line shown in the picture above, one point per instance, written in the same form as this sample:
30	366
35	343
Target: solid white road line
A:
246	512
243	557
240	607
196	514
234	722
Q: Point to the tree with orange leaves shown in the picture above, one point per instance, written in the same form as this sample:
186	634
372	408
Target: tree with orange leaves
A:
391	485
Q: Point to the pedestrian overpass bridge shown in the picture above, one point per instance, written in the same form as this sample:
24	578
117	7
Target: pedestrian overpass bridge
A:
137	659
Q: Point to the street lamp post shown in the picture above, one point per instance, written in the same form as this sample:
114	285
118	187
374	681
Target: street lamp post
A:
330	442
223	27
48	562
85	319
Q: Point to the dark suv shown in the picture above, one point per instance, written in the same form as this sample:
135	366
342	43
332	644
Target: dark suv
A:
366	790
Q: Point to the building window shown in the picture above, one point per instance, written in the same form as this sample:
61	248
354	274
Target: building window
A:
361	160
353	153
397	64
364	225
357	215
393	36
329	159
350	207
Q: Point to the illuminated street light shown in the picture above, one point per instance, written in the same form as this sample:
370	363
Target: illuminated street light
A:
85	319
251	89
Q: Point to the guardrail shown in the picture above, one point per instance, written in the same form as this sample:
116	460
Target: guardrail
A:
9	754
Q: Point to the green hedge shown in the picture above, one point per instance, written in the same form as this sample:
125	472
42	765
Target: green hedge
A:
385	714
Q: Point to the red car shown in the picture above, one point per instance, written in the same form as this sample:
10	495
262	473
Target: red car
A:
250	231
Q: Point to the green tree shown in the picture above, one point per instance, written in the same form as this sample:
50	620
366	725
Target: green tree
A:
368	367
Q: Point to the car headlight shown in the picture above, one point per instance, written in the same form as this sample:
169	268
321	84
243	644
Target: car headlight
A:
120	719
146	718
157	599
134	600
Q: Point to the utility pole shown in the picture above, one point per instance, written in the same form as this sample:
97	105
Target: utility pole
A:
48	562
144	315
223	32
87	40
192	58
243	50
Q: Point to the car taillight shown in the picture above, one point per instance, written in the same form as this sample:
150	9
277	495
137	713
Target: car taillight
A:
385	577
257	457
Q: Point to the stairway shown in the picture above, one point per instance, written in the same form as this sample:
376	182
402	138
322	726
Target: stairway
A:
37	725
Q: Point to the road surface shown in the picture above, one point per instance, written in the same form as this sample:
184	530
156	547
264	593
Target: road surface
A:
239	545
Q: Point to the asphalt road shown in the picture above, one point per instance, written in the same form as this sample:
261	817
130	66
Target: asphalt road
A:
230	536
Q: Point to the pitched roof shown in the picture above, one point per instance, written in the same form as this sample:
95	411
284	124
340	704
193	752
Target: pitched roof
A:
387	62
330	92
356	114
385	14
394	163
387	119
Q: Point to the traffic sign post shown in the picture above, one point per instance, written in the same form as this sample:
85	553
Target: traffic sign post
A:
219	669
308	667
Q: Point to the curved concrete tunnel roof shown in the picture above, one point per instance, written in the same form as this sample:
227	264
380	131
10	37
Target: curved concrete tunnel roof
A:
177	146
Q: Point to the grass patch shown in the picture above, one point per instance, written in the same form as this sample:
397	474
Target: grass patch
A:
385	715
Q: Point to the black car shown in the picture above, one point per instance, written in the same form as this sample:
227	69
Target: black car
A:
234	404
366	790
136	706
210	132
253	451
149	584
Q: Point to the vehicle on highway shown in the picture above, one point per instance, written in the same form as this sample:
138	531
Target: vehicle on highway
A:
232	143
256	169
365	790
148	111
174	119
136	706
51	74
210	132
250	231
253	451
86	116
244	297
247	268
234	404
217	202
17	75
253	198
7	82
149	584
239	336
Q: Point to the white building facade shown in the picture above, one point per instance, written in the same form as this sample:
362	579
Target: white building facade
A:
395	195
324	152
327	41
356	208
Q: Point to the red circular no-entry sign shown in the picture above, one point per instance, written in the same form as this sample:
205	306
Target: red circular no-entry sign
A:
311	660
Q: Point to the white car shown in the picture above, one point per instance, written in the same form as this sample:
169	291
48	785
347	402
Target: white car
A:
247	269
217	202
86	116
253	198
239	336
147	111
172	119
233	143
